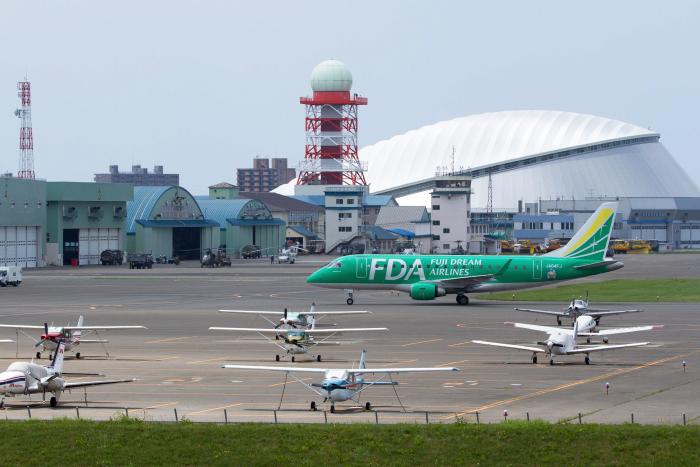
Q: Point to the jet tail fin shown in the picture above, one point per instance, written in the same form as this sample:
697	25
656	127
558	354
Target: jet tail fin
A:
591	241
57	362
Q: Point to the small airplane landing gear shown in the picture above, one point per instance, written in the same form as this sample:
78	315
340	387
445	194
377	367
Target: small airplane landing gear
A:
551	361
588	340
462	299
53	402
534	358
587	360
77	355
558	322
318	358
313	406
38	355
332	408
368	406
293	359
605	340
277	358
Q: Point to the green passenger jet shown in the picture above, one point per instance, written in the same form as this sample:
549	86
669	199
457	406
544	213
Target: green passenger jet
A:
428	276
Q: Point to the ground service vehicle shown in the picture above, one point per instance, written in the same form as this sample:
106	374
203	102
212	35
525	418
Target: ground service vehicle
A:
10	275
139	260
111	257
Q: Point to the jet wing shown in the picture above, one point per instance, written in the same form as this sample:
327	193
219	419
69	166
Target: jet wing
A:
21	326
601	348
610	332
275	368
465	282
246	312
510	346
82	384
100	328
596	313
399	370
547	329
544	312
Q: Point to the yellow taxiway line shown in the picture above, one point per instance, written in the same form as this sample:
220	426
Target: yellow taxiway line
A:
172	339
287	382
579	382
420	342
213	409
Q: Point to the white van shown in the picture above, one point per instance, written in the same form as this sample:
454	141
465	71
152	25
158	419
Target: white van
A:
10	275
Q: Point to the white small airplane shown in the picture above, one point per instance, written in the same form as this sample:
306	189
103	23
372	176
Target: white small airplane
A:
295	319
340	385
299	341
579	307
71	336
22	378
289	255
562	341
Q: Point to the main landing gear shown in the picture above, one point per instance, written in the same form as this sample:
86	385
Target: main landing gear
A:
349	301
534	358
313	406
38	355
462	299
587	360
53	402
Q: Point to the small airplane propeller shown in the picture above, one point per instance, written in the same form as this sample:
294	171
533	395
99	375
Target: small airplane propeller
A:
45	337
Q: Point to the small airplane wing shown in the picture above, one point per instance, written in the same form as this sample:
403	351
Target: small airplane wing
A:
400	370
83	384
334	330
94	341
100	328
247	312
510	346
597	312
547	329
21	326
334	313
543	312
275	368
6	341
600	348
610	332
263	330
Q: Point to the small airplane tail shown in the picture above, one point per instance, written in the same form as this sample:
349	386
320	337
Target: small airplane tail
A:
57	362
363	359
575	331
312	310
80	323
312	320
591	241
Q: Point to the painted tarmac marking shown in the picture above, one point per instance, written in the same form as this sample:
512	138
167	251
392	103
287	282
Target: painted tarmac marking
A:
213	409
619	372
158	406
420	342
453	363
196	362
459	344
172	339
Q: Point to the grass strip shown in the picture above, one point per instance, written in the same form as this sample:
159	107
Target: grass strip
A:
129	442
618	290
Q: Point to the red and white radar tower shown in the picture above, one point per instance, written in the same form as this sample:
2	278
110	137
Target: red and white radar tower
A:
26	138
331	156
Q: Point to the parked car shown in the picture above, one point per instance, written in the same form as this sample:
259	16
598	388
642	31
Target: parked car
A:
139	260
112	257
10	275
251	251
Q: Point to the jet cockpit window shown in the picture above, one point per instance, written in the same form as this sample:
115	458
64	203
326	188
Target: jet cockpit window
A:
335	265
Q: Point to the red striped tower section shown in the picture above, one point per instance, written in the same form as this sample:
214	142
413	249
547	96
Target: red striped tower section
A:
331	156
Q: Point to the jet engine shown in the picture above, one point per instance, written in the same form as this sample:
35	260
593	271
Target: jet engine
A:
426	291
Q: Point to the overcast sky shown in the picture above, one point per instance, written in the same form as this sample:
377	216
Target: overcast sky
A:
203	87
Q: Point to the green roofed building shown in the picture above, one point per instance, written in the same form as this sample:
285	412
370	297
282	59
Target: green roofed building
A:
167	220
245	222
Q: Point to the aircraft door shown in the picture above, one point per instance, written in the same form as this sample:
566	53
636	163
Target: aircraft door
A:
361	264
537	268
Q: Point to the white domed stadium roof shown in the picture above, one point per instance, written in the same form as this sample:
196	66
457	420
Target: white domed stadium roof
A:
331	75
537	154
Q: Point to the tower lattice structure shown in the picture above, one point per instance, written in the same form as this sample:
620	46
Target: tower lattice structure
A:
331	155
26	137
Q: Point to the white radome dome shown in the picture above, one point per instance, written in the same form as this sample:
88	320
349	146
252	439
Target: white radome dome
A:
331	76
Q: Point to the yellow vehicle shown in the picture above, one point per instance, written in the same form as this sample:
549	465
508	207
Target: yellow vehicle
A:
619	246
639	247
506	247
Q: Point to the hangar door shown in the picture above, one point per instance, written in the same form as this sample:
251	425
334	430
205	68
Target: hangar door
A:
19	246
92	242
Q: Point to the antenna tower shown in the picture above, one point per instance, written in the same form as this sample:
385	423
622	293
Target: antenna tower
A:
26	138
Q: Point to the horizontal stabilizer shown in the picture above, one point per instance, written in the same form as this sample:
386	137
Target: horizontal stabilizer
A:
510	346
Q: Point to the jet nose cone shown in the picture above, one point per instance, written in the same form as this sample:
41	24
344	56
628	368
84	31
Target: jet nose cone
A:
314	277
